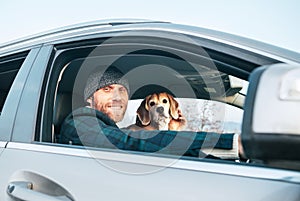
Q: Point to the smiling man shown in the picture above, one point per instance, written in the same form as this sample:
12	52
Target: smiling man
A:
108	93
95	125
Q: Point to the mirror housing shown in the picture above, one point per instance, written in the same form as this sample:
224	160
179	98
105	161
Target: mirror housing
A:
270	129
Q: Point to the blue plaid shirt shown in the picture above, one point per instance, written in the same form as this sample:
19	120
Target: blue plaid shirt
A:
91	128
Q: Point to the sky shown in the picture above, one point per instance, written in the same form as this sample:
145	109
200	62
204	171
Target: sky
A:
271	21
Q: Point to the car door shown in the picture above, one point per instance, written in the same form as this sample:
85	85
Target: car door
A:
35	167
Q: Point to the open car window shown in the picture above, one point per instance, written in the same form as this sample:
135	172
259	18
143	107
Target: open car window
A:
208	97
209	88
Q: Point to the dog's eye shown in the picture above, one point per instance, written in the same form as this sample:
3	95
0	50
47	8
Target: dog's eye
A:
165	101
152	103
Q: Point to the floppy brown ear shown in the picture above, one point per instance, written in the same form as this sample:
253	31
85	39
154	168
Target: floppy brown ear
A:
143	114
174	107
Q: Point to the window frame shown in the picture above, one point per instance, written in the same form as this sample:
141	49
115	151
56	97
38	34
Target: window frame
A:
12	101
74	50
28	101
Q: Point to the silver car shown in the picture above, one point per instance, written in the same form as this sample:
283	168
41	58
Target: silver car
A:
224	83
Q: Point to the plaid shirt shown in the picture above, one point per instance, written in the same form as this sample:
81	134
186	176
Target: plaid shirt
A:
91	128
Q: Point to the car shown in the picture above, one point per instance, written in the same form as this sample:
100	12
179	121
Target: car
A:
223	83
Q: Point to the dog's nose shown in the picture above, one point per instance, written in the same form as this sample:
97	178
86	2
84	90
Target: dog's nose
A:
160	110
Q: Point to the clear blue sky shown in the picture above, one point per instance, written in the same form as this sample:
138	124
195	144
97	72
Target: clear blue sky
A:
271	21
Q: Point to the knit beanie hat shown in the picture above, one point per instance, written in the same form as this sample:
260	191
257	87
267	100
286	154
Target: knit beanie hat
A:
100	79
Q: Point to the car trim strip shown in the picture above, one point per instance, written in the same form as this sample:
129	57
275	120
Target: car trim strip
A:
204	166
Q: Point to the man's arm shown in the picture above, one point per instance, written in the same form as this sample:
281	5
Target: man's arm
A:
94	131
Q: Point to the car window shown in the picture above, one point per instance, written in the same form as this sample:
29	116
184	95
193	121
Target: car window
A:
9	67
210	96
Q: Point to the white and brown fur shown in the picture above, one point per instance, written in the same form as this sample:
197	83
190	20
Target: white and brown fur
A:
159	111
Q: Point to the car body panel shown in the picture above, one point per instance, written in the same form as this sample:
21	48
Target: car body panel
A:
102	27
30	98
109	176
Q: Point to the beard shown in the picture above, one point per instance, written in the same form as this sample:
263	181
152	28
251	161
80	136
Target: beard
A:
115	110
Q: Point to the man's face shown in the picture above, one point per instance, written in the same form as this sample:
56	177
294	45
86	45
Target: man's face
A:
112	100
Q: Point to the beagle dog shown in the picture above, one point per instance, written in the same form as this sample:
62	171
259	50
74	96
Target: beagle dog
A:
159	111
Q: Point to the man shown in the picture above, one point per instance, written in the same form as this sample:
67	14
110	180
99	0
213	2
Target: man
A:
95	125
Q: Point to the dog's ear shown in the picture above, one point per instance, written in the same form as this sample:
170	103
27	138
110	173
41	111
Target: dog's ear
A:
142	113
174	107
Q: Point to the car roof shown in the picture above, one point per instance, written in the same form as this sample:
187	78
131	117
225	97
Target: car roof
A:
67	32
93	27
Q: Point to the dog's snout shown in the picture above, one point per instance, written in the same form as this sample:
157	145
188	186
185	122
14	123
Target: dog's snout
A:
160	110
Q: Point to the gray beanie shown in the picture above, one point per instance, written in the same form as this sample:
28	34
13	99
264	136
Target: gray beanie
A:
101	79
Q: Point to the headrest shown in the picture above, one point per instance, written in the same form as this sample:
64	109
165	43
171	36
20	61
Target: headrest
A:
65	103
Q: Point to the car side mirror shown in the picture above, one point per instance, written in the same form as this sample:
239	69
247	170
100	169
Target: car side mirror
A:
271	122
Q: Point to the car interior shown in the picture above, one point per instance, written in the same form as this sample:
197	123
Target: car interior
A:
148	71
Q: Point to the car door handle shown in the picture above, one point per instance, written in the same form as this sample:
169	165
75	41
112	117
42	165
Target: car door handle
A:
23	190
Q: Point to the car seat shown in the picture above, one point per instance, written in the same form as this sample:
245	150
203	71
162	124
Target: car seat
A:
68	97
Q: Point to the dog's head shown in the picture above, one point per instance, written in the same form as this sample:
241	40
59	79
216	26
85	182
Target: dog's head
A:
158	109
